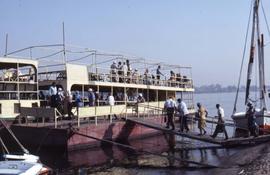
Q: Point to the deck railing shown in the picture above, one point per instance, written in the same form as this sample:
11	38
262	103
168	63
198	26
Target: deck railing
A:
106	75
102	75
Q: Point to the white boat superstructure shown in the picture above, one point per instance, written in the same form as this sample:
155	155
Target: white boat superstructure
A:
92	70
18	85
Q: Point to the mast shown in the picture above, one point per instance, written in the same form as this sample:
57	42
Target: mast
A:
252	49
6	49
260	45
263	93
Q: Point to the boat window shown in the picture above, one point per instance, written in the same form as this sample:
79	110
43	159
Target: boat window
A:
17	107
18	72
161	95
132	94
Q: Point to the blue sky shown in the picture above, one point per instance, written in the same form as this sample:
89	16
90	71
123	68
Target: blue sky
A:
207	35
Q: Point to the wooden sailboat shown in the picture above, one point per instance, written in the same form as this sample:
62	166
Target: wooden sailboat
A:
257	45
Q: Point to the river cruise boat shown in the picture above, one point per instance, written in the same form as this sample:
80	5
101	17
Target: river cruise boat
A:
25	91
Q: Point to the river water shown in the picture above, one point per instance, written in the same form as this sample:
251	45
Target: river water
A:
162	154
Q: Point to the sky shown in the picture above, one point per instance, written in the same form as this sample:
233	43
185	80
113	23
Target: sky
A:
207	35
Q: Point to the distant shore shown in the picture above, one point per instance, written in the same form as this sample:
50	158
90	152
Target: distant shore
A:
217	88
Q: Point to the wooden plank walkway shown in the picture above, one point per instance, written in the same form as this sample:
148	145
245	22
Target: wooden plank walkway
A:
231	142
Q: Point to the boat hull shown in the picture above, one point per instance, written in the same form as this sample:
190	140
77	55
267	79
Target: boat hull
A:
241	121
63	139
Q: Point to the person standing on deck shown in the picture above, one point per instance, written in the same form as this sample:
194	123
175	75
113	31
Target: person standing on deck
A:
78	99
221	122
120	71
60	100
202	114
111	102
252	125
158	73
113	71
125	71
183	115
52	95
91	97
170	107
68	100
129	72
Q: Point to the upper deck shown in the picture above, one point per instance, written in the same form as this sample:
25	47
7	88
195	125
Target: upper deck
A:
125	77
106	69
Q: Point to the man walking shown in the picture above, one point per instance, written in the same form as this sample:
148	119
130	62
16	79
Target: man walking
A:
184	113
169	107
221	122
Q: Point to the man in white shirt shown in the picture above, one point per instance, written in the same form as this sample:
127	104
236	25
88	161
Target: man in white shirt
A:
111	100
52	95
125	71
170	107
220	127
183	115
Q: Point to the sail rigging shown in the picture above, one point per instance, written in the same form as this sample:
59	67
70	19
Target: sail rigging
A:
256	35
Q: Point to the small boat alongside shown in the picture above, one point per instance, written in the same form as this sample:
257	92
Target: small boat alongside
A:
19	167
21	163
261	110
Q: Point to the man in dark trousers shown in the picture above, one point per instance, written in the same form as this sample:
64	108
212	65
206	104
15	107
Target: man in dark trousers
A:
183	115
170	107
221	122
252	125
158	74
52	95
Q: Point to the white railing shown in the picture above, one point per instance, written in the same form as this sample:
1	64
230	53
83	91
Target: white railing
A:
131	78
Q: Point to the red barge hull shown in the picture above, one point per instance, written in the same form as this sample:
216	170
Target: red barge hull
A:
64	138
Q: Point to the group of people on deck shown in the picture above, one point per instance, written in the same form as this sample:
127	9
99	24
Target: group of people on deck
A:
180	108
123	73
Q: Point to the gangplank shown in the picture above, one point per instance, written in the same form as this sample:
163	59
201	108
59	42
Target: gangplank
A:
231	142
